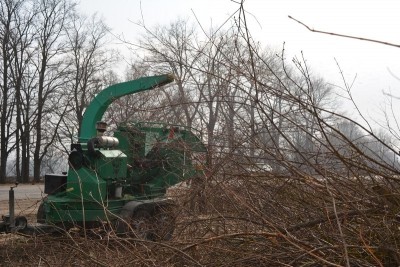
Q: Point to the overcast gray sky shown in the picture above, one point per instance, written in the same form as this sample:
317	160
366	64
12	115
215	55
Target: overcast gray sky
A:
269	23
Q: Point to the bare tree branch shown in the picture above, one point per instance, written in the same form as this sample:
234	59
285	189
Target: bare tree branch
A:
343	35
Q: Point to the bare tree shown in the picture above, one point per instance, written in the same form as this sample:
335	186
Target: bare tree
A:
8	14
173	49
50	25
88	60
21	79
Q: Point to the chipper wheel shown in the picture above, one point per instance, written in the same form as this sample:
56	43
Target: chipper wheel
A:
147	221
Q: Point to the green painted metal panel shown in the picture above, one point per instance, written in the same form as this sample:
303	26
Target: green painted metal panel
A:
111	165
64	209
95	111
85	184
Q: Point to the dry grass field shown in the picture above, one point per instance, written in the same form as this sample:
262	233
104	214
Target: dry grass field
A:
257	221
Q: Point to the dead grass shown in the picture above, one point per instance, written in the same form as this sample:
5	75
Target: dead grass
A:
256	221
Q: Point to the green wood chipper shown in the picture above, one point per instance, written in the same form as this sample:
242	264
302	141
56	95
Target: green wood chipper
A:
118	180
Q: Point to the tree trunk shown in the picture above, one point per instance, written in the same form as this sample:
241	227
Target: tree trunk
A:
25	145
4	113
37	159
18	133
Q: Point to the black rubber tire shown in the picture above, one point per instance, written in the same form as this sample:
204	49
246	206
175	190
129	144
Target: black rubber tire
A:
143	225
136	224
150	222
21	222
164	219
40	216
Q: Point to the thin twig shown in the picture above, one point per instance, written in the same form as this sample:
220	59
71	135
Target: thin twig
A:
345	36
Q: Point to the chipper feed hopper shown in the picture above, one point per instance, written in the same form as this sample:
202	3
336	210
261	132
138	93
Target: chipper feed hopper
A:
121	180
